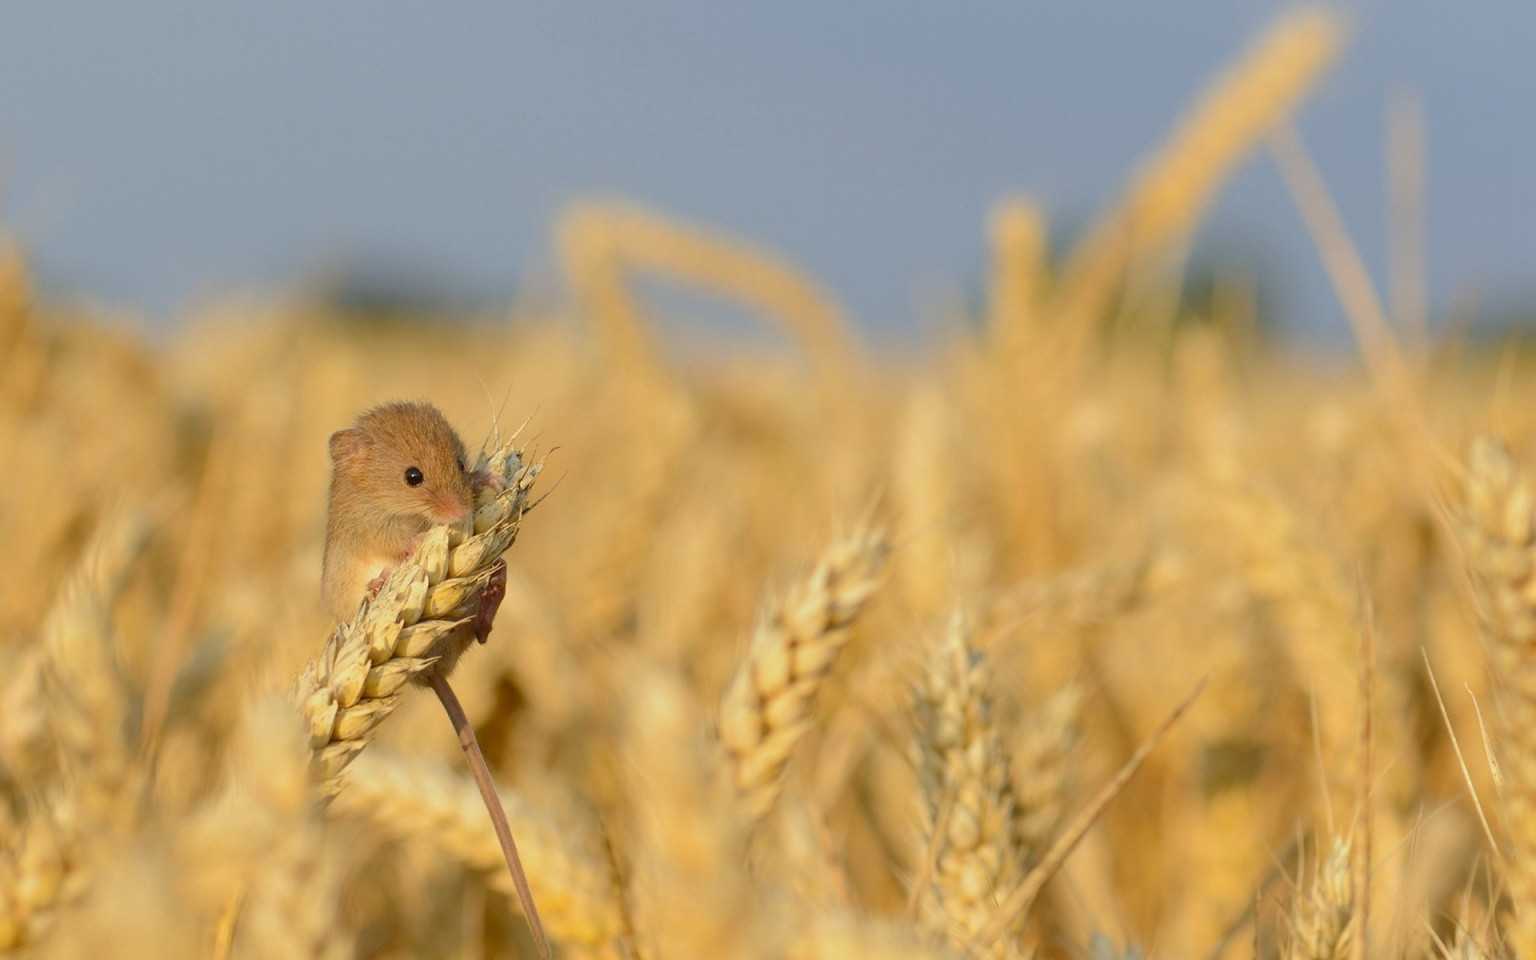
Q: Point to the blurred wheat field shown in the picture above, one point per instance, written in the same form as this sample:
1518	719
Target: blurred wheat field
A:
819	654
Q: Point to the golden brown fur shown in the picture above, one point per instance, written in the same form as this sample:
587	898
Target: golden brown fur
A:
374	514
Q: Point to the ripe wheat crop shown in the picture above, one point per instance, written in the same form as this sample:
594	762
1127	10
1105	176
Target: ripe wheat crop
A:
816	654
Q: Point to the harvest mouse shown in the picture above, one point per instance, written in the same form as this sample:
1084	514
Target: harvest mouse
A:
397	472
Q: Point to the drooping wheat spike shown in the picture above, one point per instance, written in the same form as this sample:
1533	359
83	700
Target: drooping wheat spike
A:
1168	195
1497	526
417	622
1322	916
1041	752
579	898
967	791
254	856
599	242
768	705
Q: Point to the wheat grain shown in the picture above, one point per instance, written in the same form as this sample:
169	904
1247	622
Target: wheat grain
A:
979	855
767	707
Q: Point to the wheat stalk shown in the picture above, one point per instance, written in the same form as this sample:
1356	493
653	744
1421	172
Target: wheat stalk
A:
768	704
416	624
978	855
578	895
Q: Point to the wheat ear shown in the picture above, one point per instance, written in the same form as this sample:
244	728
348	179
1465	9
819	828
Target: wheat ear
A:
1497	526
767	706
1041	754
578	894
415	624
415	628
40	871
1321	915
969	816
82	706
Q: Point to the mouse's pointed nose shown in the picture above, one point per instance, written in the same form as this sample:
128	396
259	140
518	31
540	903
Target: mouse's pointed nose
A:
451	510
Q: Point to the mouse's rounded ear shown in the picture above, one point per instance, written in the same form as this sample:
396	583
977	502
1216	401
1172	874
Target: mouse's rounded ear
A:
346	444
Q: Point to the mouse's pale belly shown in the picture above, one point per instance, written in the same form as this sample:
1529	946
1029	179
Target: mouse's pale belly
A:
348	582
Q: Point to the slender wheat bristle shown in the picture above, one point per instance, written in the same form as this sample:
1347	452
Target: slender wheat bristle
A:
967	790
1322	916
578	896
767	706
416	623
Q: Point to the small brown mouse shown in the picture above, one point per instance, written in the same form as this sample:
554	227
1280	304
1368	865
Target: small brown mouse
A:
395	473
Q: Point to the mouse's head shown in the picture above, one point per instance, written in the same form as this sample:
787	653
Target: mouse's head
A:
404	459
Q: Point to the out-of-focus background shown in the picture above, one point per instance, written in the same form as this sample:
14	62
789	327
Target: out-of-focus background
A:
158	155
929	402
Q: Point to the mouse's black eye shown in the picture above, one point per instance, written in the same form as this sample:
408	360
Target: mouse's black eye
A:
413	476
462	468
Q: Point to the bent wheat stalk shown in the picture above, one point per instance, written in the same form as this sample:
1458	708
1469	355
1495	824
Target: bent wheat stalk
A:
415	628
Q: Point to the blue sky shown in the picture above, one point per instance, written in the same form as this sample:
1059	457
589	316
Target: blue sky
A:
159	153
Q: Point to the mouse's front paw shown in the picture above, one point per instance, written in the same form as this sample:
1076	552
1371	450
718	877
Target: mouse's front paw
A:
377	584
